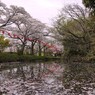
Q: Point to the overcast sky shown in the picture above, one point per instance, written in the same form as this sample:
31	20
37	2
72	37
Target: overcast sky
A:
43	10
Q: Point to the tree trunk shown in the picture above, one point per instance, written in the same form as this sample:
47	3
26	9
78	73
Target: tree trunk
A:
32	48
44	50
40	50
21	51
32	72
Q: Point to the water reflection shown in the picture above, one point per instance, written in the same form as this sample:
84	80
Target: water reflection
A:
31	79
49	78
79	79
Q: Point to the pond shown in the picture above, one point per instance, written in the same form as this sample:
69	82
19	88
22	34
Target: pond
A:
47	78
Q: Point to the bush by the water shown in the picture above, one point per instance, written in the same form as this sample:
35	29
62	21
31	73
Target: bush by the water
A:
13	57
7	57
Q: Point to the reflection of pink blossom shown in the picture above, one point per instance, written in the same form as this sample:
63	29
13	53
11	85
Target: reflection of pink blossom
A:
52	69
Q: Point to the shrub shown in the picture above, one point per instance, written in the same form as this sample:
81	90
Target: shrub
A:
13	57
6	57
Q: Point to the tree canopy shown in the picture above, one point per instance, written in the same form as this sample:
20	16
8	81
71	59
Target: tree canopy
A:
76	31
4	43
90	4
24	31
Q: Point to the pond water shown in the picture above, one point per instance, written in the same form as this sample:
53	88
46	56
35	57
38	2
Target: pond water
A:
47	78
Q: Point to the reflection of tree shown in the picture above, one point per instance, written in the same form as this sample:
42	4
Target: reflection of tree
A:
10	72
23	74
53	70
20	72
32	71
39	71
78	75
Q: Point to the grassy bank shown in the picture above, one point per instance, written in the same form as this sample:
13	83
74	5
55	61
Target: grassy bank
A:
11	57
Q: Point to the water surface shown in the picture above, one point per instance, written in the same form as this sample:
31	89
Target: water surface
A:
31	79
47	78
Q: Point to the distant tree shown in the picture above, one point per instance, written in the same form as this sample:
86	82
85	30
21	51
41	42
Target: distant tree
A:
26	27
37	34
4	43
26	30
20	26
